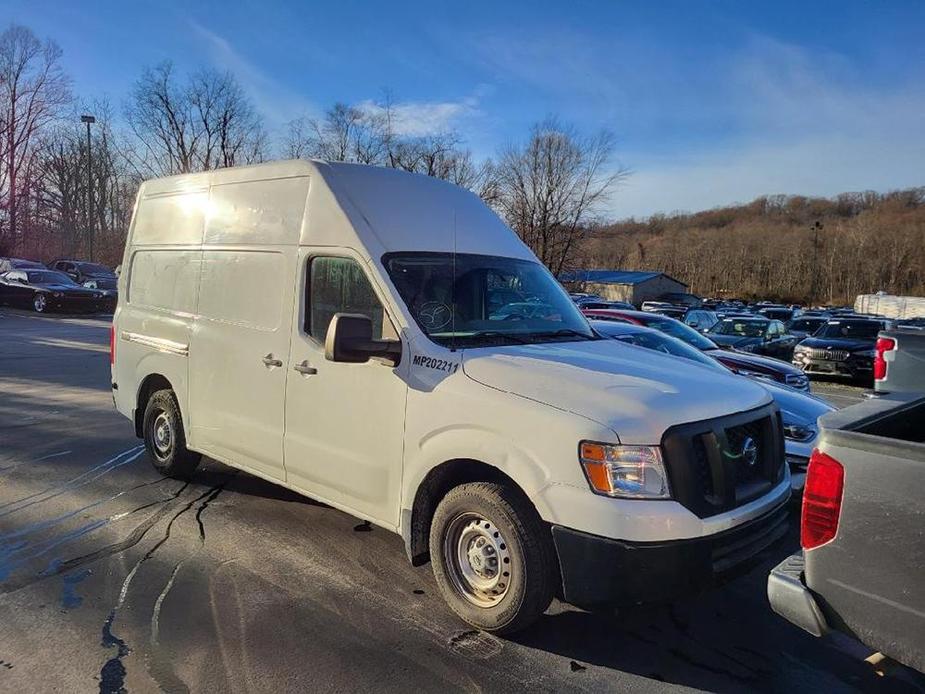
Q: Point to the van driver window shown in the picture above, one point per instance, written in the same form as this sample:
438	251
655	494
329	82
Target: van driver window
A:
339	285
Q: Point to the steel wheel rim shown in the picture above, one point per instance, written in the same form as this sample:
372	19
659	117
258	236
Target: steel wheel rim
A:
478	559
39	303
162	436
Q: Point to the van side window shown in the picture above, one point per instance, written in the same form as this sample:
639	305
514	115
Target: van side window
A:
339	285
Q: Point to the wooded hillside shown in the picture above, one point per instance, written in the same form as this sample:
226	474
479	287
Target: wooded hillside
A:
780	247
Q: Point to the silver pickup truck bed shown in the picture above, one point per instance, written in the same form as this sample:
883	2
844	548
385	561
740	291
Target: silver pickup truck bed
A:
869	581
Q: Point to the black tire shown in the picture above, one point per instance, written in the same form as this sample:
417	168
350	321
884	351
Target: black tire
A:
527	551
39	303
165	440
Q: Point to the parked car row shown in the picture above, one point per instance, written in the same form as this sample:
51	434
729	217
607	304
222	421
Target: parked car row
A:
830	342
64	285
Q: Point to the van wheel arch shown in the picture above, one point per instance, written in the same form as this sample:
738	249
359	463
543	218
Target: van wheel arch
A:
440	480
150	385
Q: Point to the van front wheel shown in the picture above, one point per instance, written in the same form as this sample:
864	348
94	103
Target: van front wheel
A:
165	440
492	557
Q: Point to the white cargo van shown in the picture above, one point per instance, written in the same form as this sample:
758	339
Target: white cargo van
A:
382	342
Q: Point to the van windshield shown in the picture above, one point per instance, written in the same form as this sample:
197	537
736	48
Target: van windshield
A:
469	300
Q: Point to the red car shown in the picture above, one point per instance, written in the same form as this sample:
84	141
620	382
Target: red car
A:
741	362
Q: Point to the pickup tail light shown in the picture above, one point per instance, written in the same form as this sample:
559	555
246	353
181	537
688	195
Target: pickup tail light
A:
884	345
112	345
822	496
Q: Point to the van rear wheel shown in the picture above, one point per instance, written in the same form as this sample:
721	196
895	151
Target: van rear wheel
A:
165	440
492	557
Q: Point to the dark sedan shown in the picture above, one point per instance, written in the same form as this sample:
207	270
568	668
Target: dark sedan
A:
842	347
46	290
92	276
743	363
757	335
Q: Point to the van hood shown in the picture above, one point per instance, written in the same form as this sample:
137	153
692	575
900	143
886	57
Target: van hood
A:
636	392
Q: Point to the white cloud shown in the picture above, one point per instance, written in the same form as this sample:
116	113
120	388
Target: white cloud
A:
276	101
416	118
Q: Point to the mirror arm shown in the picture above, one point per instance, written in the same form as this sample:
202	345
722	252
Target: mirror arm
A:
387	349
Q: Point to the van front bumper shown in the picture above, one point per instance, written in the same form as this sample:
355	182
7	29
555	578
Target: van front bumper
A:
602	572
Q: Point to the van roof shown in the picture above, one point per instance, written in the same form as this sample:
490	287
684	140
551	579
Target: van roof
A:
389	209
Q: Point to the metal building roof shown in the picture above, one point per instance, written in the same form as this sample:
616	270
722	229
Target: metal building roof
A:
613	276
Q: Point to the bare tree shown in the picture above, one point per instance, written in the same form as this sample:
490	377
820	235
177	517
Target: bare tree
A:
346	133
204	124
33	89
229	130
61	188
551	188
367	135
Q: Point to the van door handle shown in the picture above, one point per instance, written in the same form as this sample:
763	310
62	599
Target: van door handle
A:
270	361
305	369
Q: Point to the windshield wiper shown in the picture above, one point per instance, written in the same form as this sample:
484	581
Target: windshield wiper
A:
496	333
564	332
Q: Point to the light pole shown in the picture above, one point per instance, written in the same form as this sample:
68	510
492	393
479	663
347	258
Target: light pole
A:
815	228
88	120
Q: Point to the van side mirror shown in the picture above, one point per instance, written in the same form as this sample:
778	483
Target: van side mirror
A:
350	340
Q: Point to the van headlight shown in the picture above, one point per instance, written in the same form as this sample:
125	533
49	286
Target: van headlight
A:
629	472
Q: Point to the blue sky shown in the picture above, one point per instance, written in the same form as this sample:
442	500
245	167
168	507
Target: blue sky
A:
711	102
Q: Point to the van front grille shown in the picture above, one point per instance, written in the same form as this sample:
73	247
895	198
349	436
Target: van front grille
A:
719	464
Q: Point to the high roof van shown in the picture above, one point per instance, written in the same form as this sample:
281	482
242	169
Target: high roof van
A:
382	342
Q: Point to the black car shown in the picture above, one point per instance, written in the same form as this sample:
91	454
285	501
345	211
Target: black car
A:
842	347
804	326
47	290
82	272
754	334
92	276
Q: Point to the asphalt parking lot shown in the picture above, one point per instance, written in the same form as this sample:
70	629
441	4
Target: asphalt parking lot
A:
113	578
